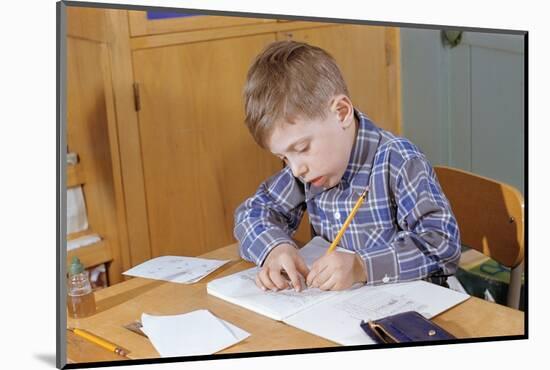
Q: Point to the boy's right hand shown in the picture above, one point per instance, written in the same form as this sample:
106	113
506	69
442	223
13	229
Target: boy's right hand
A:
282	263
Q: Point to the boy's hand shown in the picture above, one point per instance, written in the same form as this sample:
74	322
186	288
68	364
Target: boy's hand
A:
336	271
282	263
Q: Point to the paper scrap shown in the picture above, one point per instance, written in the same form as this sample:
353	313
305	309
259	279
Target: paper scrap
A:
77	219
190	334
176	269
83	241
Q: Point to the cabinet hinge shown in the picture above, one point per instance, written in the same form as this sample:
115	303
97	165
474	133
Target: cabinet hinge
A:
137	100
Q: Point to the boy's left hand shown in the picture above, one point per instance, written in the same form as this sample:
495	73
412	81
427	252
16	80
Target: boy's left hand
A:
336	271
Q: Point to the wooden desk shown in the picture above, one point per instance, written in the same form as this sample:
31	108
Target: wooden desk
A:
125	302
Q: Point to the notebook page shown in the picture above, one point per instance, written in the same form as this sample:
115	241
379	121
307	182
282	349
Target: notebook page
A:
241	289
338	318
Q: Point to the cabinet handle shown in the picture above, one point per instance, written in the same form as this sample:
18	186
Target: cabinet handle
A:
137	100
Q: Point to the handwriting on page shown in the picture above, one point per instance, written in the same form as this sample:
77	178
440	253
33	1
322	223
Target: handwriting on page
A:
298	299
288	297
379	305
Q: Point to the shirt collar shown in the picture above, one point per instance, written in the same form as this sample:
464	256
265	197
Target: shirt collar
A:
361	159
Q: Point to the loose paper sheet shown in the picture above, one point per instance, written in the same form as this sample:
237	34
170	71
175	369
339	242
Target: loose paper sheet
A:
191	334
76	210
176	269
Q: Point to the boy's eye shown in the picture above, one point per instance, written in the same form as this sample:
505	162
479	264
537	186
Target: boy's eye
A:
303	149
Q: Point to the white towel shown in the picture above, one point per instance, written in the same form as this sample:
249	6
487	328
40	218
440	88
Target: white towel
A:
76	210
83	241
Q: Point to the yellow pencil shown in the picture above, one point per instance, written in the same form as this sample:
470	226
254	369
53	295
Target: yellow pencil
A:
99	341
348	221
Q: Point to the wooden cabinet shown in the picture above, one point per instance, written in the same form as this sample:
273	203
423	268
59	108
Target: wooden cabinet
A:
89	107
199	161
182	154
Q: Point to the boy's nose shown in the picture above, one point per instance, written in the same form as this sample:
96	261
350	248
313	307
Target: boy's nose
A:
299	170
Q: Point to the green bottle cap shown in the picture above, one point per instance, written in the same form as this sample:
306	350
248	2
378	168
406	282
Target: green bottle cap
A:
76	267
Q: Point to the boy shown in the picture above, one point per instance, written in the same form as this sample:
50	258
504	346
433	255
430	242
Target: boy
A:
298	107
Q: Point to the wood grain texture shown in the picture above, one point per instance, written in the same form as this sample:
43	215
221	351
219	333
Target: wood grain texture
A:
107	27
75	175
199	160
477	318
87	135
80	350
209	34
393	67
93	255
140	25
87	23
134	225
489	214
119	219
123	303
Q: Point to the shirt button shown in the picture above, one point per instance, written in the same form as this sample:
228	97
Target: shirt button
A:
385	279
337	215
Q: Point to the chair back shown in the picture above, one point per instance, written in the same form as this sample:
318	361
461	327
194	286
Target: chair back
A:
490	217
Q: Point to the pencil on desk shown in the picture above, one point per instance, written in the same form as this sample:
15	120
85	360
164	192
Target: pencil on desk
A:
99	341
347	222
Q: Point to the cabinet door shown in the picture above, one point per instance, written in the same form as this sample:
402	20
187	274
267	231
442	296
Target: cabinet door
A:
369	59
199	160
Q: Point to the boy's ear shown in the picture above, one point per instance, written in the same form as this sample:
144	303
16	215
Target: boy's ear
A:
343	108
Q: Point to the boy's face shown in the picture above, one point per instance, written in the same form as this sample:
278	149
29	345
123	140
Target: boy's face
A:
318	151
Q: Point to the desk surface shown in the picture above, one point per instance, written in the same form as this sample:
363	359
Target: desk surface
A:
123	303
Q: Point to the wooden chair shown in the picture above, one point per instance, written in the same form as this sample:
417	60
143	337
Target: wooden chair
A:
490	218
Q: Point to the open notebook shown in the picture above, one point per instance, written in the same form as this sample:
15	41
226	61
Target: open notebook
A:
333	315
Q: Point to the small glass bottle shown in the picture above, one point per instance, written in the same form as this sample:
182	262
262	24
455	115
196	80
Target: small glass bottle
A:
80	297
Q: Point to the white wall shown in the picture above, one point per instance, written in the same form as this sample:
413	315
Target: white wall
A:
464	106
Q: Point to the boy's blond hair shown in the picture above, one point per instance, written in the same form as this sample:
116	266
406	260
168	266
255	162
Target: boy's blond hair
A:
287	80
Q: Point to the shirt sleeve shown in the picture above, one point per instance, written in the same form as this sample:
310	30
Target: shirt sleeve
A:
270	216
429	241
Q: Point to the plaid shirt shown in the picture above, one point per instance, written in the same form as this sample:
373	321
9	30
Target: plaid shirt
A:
405	229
